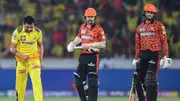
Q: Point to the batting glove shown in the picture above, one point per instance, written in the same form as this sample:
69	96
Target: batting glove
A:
70	47
166	62
135	61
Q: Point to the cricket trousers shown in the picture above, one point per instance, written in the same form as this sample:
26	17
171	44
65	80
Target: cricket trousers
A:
87	63
34	70
87	68
147	70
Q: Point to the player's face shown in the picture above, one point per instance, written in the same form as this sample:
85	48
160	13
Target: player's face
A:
90	19
28	27
149	15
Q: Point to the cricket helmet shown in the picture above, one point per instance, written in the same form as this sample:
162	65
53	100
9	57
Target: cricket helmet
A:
150	8
90	12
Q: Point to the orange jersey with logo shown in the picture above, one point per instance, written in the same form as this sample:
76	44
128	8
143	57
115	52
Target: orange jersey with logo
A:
150	36
87	35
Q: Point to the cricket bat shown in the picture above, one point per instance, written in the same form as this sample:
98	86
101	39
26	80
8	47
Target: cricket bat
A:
132	97
77	47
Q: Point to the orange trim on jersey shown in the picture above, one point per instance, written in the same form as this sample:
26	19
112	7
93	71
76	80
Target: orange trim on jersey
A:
34	67
97	62
22	71
31	58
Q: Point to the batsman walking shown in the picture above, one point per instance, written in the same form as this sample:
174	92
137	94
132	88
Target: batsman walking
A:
91	37
150	37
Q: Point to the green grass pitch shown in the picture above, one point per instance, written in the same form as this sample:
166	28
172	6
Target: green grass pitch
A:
77	99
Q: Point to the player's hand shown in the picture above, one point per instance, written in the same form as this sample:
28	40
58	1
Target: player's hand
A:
93	49
166	62
41	65
70	47
26	58
135	61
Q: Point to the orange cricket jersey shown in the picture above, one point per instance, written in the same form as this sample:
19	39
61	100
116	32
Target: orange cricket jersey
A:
150	36
95	34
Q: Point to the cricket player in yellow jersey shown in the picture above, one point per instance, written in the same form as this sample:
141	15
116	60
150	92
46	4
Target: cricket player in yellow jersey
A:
27	46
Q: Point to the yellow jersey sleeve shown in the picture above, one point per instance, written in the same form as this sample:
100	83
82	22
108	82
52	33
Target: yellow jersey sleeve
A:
39	37
15	37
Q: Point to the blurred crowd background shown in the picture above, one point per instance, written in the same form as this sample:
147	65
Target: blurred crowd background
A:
60	20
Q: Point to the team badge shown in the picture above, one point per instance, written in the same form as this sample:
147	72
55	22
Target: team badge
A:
164	30
141	29
83	31
102	32
23	38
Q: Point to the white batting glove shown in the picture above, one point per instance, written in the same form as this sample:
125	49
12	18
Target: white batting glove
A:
166	62
135	61
70	47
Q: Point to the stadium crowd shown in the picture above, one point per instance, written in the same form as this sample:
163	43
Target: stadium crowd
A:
59	21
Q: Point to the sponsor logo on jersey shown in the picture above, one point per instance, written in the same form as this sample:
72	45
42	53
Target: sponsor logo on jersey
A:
28	43
87	37
147	34
141	29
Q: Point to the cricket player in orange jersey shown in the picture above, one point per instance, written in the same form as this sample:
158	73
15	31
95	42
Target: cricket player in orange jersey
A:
150	37
91	37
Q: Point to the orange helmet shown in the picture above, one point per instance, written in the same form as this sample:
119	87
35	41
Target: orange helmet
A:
150	8
90	12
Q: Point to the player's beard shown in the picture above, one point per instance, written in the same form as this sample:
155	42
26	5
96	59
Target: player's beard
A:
90	22
149	17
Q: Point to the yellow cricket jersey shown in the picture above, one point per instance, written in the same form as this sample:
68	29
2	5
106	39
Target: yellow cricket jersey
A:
27	43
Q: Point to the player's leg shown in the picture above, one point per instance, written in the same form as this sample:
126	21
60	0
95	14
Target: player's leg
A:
139	76
93	77
21	80
35	75
80	78
150	79
139	88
